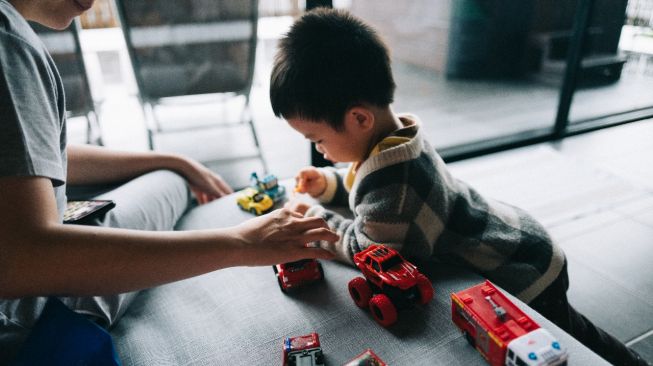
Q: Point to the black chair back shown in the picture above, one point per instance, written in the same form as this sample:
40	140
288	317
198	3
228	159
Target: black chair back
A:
65	49
190	47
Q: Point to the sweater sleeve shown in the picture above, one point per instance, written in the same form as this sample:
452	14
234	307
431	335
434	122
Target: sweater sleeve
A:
358	233
335	193
385	211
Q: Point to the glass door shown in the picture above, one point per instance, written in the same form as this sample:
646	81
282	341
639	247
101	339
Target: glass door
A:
615	76
479	73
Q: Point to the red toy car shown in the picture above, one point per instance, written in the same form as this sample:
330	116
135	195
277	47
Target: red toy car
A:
367	358
396	283
295	274
303	350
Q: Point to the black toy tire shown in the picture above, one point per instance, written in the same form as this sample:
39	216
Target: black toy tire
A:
360	292
383	310
469	339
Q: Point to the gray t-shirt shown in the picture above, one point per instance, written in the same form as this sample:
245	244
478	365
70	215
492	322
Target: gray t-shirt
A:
32	141
32	106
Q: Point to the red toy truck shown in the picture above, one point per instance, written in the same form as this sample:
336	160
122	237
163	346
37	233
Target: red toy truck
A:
395	282
295	274
303	351
500	331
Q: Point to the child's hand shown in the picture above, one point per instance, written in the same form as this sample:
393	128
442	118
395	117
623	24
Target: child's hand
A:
297	206
310	180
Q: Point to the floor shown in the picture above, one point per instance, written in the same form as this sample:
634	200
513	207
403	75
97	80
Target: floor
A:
594	192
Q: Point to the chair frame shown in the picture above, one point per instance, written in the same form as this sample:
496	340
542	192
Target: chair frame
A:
89	112
149	103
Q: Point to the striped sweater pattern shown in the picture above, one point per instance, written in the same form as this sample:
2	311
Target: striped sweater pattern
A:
405	197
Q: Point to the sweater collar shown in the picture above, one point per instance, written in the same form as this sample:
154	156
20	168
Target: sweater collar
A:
409	148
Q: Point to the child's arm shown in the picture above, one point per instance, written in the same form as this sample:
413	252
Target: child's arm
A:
381	218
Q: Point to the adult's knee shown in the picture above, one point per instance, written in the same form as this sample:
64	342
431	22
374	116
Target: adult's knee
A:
153	201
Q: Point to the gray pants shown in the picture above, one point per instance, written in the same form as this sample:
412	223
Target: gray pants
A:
154	201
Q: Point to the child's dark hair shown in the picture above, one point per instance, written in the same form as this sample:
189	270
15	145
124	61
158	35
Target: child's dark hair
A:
329	62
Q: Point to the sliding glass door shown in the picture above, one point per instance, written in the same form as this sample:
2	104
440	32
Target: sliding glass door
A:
486	75
616	72
479	73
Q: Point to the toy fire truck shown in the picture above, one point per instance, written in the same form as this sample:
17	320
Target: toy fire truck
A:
390	283
303	351
502	332
295	274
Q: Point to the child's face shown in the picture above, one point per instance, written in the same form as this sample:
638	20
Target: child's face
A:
343	146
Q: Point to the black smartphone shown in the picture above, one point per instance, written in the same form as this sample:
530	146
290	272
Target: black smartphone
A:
84	212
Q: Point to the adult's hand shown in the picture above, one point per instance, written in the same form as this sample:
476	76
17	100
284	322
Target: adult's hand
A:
205	184
284	236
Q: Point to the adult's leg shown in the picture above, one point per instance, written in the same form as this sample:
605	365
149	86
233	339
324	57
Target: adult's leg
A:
154	201
553	305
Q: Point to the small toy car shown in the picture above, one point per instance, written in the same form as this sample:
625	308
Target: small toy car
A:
367	358
268	185
295	274
303	351
395	282
253	201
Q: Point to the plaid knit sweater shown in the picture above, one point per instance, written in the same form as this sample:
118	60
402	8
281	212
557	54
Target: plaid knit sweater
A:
404	197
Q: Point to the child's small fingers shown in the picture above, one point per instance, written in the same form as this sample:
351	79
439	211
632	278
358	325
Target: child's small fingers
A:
300	185
308	173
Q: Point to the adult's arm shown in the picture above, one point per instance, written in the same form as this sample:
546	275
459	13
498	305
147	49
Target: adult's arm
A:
40	256
96	165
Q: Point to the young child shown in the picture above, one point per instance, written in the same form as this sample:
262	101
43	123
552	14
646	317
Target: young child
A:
332	82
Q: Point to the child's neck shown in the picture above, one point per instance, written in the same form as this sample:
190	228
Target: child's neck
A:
386	122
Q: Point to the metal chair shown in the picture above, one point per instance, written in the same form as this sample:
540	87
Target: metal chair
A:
190	48
65	49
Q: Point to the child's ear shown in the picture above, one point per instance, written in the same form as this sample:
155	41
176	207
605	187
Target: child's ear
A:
360	118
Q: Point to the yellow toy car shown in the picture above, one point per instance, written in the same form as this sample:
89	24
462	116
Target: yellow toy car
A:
249	199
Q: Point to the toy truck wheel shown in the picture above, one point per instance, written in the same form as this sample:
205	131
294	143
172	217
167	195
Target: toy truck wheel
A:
425	289
469	339
319	358
383	311
360	292
253	211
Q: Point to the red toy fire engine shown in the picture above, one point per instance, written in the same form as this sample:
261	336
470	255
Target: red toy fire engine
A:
502	332
295	274
395	282
303	350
